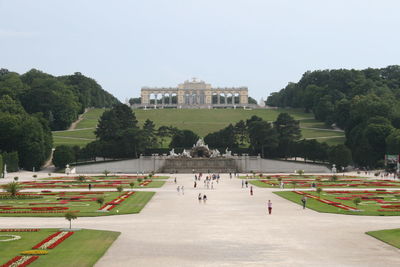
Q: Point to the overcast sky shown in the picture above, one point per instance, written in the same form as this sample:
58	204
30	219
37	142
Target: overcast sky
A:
262	44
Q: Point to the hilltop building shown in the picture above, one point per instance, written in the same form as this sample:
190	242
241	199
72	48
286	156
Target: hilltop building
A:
194	94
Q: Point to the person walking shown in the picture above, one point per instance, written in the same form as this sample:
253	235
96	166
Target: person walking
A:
195	184
212	185
304	201
204	199
251	190
183	191
242	183
178	189
90	187
247	184
199	198
269	207
175	180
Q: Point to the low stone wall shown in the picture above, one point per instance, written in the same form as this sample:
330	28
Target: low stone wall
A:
163	164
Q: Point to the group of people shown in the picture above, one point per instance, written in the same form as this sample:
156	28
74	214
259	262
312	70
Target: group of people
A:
202	197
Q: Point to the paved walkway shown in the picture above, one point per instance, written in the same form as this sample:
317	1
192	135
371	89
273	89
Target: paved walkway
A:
233	229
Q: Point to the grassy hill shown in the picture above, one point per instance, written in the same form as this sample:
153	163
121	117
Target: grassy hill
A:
201	121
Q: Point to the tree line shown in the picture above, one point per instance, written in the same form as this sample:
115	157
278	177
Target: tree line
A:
119	136
33	104
364	103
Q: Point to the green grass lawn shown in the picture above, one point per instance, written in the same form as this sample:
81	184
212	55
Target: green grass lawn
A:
88	134
58	141
90	118
325	182
366	207
85	184
133	204
391	237
201	121
204	121
83	248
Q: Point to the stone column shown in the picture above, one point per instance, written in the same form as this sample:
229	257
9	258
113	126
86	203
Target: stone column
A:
163	99
170	98
218	99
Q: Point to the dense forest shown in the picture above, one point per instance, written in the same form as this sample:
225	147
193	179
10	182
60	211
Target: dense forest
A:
33	104
364	103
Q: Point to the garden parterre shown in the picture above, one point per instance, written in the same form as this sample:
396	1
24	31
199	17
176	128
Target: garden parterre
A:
323	181
373	202
82	203
51	247
96	182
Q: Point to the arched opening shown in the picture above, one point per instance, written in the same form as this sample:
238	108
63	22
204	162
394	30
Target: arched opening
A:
229	98
159	98
236	98
174	98
214	98
152	98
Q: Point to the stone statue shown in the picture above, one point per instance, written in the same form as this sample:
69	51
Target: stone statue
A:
200	142
172	153
67	169
186	154
215	153
227	153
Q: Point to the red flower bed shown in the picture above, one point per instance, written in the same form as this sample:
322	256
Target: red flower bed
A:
47	239
55	244
19	230
17	258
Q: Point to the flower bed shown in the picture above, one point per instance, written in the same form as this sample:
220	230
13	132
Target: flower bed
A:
112	204
53	240
19	230
20	261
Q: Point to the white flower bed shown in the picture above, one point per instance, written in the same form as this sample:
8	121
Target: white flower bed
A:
12	238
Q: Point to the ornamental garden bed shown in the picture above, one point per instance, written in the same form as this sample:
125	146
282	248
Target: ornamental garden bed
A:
324	181
84	204
391	236
95	182
51	247
378	202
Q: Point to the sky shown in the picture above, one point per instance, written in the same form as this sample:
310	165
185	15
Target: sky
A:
262	44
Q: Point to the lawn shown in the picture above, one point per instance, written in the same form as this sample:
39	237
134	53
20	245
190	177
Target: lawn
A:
90	118
323	181
96	182
201	121
58	141
83	203
88	134
391	237
368	205
82	248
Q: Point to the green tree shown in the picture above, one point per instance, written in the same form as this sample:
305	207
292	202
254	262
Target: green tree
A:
69	216
1	166
340	155
357	201
263	138
183	138
241	132
319	191
120	188
288	130
63	155
100	201
12	161
12	188
393	142
149	132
